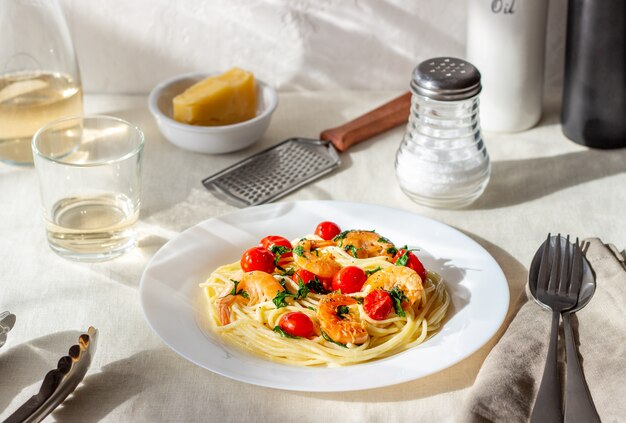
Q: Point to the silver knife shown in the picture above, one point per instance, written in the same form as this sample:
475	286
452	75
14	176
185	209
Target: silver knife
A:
60	382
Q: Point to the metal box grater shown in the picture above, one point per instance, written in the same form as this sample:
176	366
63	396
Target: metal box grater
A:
274	172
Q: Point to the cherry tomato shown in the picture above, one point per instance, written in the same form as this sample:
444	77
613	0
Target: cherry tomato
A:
327	283
257	258
413	262
274	240
349	279
327	230
378	304
297	324
306	277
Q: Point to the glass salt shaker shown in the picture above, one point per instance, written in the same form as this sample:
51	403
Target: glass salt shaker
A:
442	160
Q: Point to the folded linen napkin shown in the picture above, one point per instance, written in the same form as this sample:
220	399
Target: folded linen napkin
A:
507	383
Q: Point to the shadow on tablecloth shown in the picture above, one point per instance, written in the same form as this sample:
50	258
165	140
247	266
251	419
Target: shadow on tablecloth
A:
518	181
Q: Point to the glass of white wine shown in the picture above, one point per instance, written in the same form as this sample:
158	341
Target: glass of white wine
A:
39	76
89	170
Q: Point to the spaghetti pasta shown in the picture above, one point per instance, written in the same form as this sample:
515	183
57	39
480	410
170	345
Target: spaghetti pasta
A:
254	307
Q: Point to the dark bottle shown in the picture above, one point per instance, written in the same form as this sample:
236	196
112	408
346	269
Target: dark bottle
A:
594	91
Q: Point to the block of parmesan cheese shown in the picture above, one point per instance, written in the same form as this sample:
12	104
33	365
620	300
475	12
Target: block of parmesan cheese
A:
218	100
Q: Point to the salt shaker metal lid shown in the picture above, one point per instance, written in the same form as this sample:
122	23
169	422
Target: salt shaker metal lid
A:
446	79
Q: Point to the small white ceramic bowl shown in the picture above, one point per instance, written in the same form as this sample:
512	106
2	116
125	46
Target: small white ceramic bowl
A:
209	139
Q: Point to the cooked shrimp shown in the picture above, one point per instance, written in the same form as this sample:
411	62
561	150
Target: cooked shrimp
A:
258	287
366	244
345	328
401	277
309	257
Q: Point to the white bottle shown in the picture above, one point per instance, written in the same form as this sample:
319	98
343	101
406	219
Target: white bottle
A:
506	42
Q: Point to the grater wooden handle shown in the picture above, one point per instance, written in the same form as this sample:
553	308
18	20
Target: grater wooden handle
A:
387	116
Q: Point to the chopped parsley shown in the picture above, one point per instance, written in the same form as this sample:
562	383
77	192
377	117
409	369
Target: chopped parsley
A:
279	250
329	339
369	273
392	250
339	238
383	239
287	272
282	333
316	286
351	249
403	259
234	291
341	310
280	300
299	250
397	295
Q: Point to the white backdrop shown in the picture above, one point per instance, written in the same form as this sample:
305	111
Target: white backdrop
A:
127	46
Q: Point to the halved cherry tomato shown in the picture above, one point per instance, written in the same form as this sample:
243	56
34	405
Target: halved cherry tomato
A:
378	304
306	277
412	261
327	230
257	258
349	279
297	324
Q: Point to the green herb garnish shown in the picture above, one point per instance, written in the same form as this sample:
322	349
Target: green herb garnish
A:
403	259
282	333
392	250
302	292
234	291
329	339
279	250
397	295
280	300
351	249
339	238
299	250
342	235
341	310
287	272
316	286
369	273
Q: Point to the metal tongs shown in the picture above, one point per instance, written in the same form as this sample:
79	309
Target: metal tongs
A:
60	382
7	321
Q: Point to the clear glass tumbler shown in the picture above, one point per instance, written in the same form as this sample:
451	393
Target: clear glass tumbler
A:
39	76
89	170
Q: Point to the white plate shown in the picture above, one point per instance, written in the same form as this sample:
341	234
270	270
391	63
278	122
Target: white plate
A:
174	304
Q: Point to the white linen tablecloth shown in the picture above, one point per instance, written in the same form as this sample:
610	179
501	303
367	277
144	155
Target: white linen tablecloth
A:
541	182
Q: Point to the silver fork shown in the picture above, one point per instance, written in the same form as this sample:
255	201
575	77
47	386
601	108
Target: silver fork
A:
558	284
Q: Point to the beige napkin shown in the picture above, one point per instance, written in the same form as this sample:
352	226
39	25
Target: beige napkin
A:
507	383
